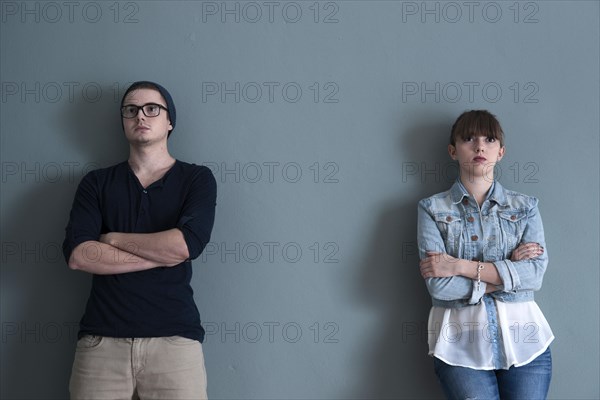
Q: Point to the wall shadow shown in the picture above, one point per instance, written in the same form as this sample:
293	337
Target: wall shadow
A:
395	360
42	299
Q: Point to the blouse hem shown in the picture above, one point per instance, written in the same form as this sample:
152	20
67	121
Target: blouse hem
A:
516	365
536	354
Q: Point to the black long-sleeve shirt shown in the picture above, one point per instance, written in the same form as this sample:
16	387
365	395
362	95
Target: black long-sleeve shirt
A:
155	302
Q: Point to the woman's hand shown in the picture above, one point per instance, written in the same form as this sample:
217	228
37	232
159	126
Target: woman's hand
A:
438	265
527	251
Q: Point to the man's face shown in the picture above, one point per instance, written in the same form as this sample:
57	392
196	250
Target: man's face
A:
142	129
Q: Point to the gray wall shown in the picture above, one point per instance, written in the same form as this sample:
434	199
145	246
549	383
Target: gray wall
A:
324	124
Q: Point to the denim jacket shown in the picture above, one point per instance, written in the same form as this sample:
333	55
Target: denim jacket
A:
451	222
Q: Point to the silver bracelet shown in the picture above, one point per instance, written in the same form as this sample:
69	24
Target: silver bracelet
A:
480	267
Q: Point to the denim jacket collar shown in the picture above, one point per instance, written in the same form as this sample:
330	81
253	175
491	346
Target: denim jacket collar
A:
495	194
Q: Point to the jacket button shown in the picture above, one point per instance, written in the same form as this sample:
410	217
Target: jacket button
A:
513	217
474	238
470	219
448	218
465	201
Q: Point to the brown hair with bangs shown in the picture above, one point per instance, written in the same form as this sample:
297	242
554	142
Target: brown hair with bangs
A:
476	123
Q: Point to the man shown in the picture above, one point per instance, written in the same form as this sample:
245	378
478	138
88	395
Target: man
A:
136	226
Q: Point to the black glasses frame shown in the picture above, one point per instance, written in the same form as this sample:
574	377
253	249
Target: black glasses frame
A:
142	107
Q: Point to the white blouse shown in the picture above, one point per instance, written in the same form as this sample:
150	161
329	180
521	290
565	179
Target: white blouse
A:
490	335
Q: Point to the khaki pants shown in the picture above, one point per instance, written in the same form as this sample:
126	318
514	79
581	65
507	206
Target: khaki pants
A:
138	368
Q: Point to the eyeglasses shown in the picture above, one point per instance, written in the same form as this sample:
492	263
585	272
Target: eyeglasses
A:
149	110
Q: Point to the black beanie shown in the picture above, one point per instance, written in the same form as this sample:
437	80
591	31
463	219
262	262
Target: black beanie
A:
163	92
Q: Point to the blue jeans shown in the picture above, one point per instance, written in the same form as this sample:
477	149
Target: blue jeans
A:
530	381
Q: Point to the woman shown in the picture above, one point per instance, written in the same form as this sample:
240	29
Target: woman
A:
482	257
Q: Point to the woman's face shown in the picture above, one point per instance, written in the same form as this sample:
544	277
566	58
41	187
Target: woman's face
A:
477	155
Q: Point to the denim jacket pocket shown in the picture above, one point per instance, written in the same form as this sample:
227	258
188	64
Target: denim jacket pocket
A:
450	226
512	224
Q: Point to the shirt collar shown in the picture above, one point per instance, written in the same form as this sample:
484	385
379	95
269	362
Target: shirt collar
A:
155	184
495	194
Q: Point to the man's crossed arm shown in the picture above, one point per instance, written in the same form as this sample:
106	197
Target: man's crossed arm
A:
117	253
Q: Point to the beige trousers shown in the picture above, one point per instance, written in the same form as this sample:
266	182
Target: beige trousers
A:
138	368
